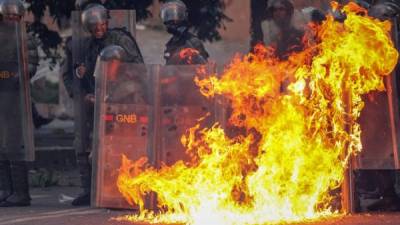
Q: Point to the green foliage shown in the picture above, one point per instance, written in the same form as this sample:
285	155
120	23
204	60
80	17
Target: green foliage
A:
50	40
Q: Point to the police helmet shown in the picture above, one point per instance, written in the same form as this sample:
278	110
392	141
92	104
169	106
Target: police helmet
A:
274	4
13	7
113	52
80	4
92	15
174	10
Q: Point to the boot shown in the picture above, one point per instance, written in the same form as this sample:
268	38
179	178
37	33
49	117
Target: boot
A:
5	180
85	171
19	178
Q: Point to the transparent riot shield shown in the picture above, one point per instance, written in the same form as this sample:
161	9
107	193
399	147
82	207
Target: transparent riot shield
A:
16	129
380	124
370	174
376	166
83	110
122	125
379	130
181	105
143	111
380	117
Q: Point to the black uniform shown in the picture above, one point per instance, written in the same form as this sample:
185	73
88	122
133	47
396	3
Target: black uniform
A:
184	49
115	36
289	41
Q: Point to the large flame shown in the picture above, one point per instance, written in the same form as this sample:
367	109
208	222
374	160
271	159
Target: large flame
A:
298	121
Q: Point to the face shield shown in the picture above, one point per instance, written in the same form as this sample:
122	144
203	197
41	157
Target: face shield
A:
281	11
12	10
173	11
94	20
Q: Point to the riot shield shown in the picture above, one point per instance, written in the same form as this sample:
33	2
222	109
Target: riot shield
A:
381	116
122	125
82	109
143	111
379	130
16	130
370	173
181	105
375	167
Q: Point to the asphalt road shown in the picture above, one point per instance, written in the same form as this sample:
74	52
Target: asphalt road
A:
51	206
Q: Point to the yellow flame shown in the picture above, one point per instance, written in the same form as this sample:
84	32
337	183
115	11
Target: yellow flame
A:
299	127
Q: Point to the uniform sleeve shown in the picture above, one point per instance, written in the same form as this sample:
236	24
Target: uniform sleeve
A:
198	45
128	43
203	55
88	80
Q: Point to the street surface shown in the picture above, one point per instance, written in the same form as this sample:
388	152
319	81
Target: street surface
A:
51	206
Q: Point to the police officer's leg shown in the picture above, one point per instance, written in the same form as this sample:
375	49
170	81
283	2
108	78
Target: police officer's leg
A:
20	185
5	179
84	164
85	171
5	171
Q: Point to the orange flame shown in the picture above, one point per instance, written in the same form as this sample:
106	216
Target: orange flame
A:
187	54
299	121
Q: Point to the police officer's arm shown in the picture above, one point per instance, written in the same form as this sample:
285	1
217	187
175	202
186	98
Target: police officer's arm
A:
87	79
90	63
80	68
86	68
202	58
128	43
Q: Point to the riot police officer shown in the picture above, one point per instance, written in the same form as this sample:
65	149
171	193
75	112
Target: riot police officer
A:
183	47
14	188
279	29
32	43
95	21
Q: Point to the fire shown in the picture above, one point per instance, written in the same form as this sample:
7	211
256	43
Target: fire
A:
187	54
298	121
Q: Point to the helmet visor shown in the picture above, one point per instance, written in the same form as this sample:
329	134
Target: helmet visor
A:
173	12
93	16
